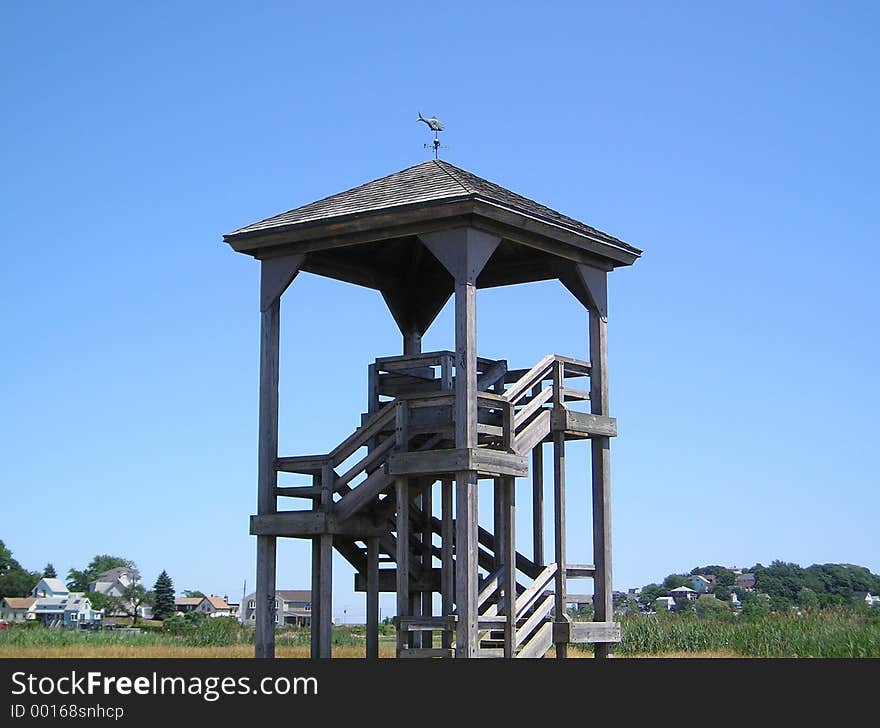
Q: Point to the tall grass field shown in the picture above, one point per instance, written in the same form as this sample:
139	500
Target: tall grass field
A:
826	633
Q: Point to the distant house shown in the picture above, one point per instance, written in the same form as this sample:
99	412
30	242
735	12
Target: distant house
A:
114	582
871	601
17	609
635	591
701	584
52	604
186	604
745	581
683	593
214	606
49	587
667	603
292	607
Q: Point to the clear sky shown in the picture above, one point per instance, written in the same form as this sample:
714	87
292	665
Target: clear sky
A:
736	144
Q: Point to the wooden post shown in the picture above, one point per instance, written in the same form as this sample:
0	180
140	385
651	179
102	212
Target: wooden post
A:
373	598
508	518
538	497
270	326
315	619
559	507
498	519
427	606
466	545
403	604
603	604
325	587
447	572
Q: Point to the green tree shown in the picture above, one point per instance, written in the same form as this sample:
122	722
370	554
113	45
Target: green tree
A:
673	581
807	598
15	581
163	603
193	594
79	580
49	571
650	592
707	606
755	605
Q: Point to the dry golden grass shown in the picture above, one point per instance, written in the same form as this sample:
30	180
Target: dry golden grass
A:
247	651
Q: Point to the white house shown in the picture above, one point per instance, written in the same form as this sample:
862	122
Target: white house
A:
683	592
54	605
664	602
114	582
48	587
214	606
17	609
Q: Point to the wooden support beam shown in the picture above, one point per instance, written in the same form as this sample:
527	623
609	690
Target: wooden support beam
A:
508	518
270	328
447	572
427	535
466	547
603	606
315	627
559	510
403	604
372	648
538	501
325	597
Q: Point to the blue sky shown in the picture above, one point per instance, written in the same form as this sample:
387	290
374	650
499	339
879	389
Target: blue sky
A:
736	144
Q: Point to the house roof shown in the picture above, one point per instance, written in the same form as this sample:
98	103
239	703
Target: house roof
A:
424	192
183	601
295	595
56	585
20	602
113	574
217	602
680	589
700	576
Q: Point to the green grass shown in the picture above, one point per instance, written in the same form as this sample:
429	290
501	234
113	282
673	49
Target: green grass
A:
826	633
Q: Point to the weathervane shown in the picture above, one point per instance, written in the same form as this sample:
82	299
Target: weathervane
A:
435	125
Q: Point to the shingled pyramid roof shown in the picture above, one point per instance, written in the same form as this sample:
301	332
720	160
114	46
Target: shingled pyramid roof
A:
435	182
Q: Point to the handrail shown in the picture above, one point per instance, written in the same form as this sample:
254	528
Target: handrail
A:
529	379
363	434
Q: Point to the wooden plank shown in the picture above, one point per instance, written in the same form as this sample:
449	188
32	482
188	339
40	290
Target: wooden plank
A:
388	580
536	588
372	646
593	632
535	433
303	464
603	607
542	609
448	461
270	327
362	434
580	571
298	491
365	462
582	423
276	275
489	586
364	493
427	653
539	398
491	376
427	560
426	623
305	524
316	603
539	644
529	379
412	361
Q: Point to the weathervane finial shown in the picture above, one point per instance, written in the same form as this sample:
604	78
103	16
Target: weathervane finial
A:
435	125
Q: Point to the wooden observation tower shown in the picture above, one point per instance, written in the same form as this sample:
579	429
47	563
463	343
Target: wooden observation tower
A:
398	498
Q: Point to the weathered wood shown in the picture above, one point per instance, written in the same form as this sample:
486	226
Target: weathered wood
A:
538	503
535	432
528	380
402	524
364	463
388	580
325	597
582	423
543	607
540	642
305	524
372	646
584	632
276	275
362	435
539	398
361	495
603	607
508	549
315	627
270	327
426	623
298	491
442	462
427	535
559	507
302	464
466	547
580	571
426	653
447	585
